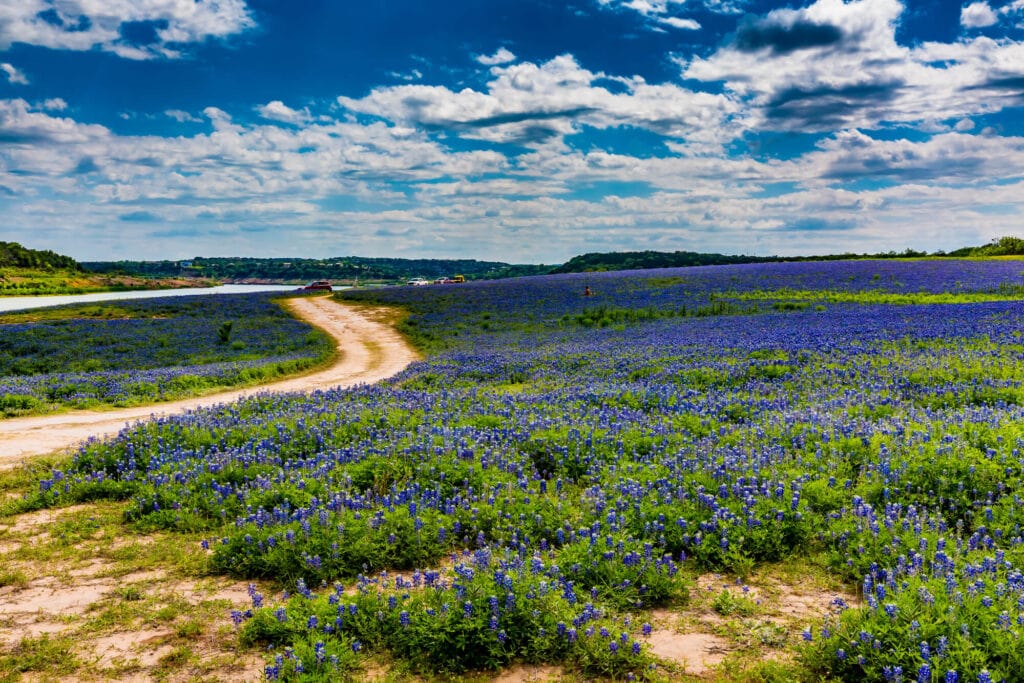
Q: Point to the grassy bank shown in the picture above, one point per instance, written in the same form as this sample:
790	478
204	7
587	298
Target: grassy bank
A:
42	282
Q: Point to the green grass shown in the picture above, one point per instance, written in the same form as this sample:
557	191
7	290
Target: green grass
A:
45	655
54	281
878	296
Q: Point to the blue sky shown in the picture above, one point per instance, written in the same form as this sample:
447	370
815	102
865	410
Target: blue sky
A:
512	130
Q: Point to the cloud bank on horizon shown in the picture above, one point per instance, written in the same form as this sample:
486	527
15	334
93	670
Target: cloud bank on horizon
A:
522	131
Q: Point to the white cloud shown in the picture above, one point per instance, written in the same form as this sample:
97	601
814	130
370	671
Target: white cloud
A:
502	56
133	29
834	65
182	116
55	104
279	111
950	158
414	75
645	7
977	15
684	24
658	12
14	75
220	119
536	104
415	192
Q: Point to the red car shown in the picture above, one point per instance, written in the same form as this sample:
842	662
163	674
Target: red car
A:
318	286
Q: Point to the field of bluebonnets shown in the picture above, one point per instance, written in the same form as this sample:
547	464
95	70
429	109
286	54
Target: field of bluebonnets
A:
562	464
133	352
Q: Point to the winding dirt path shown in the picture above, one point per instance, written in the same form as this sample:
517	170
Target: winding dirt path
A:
369	351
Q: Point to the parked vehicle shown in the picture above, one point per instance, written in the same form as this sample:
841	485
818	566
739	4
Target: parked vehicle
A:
450	280
418	282
318	286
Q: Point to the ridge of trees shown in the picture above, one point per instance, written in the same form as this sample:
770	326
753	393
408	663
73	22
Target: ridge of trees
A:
638	260
13	255
298	269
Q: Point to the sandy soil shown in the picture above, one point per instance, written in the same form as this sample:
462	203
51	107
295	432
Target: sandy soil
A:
369	351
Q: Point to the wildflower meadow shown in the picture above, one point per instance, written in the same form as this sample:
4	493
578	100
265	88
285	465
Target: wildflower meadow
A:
575	451
135	352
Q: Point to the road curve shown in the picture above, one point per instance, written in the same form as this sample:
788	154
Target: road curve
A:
369	351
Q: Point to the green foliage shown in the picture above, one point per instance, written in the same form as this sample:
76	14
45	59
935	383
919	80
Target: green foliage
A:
491	616
1003	246
952	618
334	268
19	404
632	260
46	655
608	316
728	603
224	332
13	254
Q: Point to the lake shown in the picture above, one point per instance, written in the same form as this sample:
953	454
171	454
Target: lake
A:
20	303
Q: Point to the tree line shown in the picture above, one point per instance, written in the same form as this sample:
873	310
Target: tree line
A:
13	255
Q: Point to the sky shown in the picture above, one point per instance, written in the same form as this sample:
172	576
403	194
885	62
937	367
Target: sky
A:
523	131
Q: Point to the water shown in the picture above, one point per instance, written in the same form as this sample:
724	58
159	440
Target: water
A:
19	303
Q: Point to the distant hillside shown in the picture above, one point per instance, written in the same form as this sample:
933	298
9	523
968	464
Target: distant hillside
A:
1004	246
638	260
631	260
298	269
13	255
30	272
352	268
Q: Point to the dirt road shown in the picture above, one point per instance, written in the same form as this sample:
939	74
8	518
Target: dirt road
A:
369	351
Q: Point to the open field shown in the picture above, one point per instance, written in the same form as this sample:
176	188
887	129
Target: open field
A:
366	350
679	477
136	352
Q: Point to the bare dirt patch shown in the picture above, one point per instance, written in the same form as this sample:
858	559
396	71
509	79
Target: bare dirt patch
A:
53	602
697	653
143	648
127	620
806	603
14	630
39	520
529	674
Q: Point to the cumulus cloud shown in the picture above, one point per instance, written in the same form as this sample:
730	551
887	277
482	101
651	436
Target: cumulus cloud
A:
397	179
949	158
240	175
533	104
14	75
502	56
182	116
644	7
978	15
834	65
133	29
279	111
414	75
657	12
684	24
